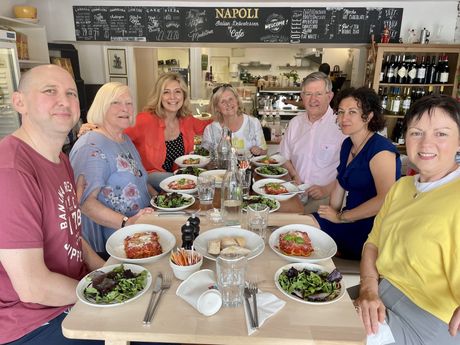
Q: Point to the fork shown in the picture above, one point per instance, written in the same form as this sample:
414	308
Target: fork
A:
247	295
253	290
165	285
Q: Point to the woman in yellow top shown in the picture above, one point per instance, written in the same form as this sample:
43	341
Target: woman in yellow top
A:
413	248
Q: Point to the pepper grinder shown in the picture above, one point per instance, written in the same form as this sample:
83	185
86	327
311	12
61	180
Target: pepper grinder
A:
187	235
195	222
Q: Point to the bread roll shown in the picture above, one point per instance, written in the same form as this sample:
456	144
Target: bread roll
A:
214	247
228	242
235	250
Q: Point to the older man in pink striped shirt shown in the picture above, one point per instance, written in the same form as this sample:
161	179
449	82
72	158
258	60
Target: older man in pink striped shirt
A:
312	142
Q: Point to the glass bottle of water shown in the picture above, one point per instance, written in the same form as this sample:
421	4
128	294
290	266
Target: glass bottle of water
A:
231	193
224	149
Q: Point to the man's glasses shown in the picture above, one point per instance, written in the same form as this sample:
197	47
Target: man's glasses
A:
220	86
315	94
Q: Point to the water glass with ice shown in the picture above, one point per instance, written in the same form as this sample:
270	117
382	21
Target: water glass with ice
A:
231	271
206	187
257	219
245	181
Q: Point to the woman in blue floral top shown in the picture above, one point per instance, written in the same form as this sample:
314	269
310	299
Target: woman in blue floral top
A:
116	191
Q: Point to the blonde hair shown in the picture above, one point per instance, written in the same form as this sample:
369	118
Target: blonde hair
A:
103	99
217	95
154	104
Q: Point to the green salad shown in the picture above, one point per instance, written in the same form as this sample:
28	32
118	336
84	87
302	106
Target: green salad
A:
311	285
116	286
271	170
201	151
172	200
191	171
258	199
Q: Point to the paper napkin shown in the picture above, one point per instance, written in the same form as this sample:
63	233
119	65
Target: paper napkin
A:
268	305
382	337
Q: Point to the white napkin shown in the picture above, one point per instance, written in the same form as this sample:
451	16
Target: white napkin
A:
267	304
382	337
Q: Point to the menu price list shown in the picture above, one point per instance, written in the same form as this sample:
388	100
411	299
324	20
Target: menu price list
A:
234	24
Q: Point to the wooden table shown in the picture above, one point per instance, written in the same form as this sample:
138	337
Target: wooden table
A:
176	321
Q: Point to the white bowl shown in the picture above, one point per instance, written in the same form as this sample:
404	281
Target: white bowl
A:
218	174
258	187
198	171
280	160
190	198
257	170
166	181
203	161
115	243
324	247
183	272
313	267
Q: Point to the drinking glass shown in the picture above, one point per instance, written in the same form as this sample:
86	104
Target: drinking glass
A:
245	181
258	219
231	271
206	187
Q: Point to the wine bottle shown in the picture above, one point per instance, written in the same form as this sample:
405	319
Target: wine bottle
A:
384	70
396	104
391	70
406	102
421	71
402	71
430	76
384	100
411	70
444	70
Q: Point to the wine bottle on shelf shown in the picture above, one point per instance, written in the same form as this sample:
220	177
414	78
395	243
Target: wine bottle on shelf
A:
397	62
396	104
444	70
430	90
384	70
430	76
384	100
390	76
421	71
398	133
411	70
401	76
407	101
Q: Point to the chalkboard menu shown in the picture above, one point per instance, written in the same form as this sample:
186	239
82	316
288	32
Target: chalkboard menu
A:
235	24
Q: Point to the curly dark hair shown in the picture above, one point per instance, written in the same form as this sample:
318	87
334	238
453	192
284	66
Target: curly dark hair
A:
428	104
369	102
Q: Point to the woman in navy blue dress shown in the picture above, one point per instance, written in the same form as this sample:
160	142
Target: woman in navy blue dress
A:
369	165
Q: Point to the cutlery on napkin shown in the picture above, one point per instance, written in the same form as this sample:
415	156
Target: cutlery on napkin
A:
268	305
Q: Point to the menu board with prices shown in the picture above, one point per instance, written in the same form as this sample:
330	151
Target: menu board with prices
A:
235	24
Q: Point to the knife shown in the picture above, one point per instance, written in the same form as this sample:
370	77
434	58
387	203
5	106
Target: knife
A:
155	291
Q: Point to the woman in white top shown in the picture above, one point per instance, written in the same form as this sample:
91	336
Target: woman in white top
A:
247	134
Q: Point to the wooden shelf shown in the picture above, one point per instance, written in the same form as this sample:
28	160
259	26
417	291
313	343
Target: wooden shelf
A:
294	67
254	66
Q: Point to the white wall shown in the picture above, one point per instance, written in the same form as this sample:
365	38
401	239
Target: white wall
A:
437	16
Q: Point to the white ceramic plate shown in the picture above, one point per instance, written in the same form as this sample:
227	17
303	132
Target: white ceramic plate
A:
277	207
202	163
190	198
257	170
323	244
253	241
280	160
258	187
85	282
309	266
181	171
166	181
115	244
218	174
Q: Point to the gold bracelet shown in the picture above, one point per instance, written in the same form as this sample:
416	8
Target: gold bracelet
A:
343	220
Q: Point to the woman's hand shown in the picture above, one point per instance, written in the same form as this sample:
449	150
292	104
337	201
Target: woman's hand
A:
86	127
317	192
371	309
454	323
327	212
132	220
257	151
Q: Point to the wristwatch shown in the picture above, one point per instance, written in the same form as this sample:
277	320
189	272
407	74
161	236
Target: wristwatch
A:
123	222
343	220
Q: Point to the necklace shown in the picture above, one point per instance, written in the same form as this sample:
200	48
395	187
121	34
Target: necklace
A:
353	154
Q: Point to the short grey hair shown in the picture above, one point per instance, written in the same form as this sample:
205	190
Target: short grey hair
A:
315	76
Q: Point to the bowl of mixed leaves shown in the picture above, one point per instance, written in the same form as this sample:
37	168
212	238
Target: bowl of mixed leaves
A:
201	151
190	171
172	201
310	283
273	204
271	171
114	285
